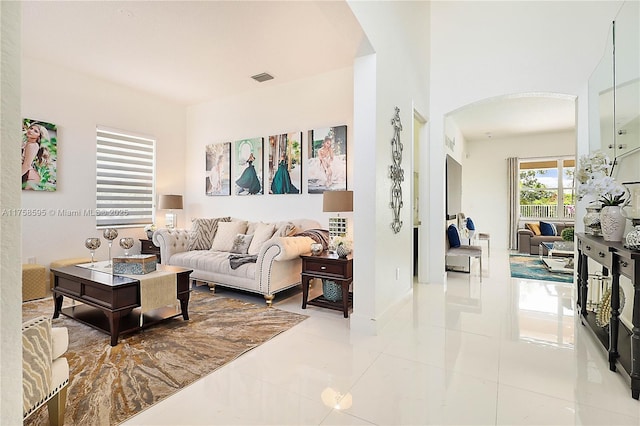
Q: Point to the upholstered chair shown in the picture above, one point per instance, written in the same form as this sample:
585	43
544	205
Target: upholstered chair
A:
45	373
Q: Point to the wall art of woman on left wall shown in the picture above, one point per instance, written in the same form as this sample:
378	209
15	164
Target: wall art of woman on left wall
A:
39	155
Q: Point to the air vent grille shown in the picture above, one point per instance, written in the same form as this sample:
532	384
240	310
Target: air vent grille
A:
262	77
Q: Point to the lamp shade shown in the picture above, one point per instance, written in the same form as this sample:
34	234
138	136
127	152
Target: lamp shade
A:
337	201
170	202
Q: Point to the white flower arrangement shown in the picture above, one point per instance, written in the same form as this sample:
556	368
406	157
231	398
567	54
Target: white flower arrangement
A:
341	241
151	227
595	182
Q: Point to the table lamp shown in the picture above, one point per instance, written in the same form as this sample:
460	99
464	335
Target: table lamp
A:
337	201
171	203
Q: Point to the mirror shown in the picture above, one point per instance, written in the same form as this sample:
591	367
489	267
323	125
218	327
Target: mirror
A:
601	102
627	79
614	88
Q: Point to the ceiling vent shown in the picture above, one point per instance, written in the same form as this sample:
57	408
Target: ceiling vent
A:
262	77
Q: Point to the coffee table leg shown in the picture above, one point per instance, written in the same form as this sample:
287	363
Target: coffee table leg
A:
114	325
57	303
184	306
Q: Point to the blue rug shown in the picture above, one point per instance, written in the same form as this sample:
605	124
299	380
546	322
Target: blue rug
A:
532	268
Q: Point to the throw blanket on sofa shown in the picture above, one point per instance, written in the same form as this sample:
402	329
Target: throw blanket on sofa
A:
237	260
320	236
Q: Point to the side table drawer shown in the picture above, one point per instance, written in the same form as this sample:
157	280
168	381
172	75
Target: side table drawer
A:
328	268
147	245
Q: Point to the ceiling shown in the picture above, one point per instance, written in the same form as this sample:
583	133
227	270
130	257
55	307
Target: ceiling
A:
511	115
194	51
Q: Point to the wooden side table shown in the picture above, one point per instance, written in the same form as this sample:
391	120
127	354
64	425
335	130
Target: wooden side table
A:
147	247
328	266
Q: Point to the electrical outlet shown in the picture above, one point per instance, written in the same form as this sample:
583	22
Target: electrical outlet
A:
397	274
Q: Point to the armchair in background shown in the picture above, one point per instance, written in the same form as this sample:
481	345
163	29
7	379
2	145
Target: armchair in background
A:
455	248
45	373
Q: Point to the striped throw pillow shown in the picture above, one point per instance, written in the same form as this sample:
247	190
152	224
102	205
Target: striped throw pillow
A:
203	230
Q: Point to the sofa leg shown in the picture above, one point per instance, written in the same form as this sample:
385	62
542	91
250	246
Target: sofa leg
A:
269	298
212	287
56	406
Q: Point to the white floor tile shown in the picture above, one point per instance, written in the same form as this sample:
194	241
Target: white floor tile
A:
505	351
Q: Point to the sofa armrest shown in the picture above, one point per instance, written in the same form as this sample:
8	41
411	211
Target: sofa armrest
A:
525	232
524	240
288	247
170	241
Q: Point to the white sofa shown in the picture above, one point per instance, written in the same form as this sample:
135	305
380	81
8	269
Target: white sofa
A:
277	265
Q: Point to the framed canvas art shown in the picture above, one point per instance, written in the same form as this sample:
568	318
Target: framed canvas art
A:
39	155
327	159
285	169
218	169
248	166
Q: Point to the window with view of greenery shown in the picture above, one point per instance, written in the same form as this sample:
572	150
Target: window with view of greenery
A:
547	189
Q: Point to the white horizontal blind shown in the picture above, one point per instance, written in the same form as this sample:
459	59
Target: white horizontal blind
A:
125	179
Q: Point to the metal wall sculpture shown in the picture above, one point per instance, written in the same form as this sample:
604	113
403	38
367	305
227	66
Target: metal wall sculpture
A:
396	173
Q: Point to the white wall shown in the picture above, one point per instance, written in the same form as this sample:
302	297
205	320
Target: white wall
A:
484	181
76	104
481	49
321	101
10	288
395	76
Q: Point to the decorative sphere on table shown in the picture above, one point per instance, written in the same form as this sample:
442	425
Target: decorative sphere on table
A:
342	251
92	244
110	234
126	243
316	249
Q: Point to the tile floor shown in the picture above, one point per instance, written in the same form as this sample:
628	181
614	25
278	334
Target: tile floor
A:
501	352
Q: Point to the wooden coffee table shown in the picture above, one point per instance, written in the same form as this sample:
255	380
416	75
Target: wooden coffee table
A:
111	303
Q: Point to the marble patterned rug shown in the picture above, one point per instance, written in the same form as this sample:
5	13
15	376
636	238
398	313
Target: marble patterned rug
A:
111	384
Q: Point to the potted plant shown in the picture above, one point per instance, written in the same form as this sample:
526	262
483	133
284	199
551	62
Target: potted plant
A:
150	229
567	234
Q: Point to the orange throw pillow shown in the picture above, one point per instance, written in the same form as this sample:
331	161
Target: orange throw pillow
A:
533	227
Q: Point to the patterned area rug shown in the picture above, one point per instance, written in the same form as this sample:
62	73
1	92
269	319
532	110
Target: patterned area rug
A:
532	268
110	384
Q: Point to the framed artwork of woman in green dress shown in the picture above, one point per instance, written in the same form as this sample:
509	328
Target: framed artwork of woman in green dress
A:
285	171
248	166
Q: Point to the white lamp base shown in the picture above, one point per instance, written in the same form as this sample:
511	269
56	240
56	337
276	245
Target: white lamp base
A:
171	220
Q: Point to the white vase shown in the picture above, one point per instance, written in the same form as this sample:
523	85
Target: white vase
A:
592	221
612	223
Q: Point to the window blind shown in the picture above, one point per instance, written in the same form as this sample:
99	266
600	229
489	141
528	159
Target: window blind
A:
125	179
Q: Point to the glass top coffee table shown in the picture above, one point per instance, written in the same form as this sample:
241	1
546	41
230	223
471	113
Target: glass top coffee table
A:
557	257
555	249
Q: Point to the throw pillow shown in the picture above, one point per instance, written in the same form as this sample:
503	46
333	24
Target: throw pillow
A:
226	234
203	231
548	229
262	233
453	236
470	225
533	227
285	229
241	243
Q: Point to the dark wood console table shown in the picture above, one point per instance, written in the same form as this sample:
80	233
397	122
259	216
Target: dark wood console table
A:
622	344
328	266
111	302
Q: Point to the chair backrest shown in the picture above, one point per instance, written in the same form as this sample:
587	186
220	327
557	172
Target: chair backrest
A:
36	363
